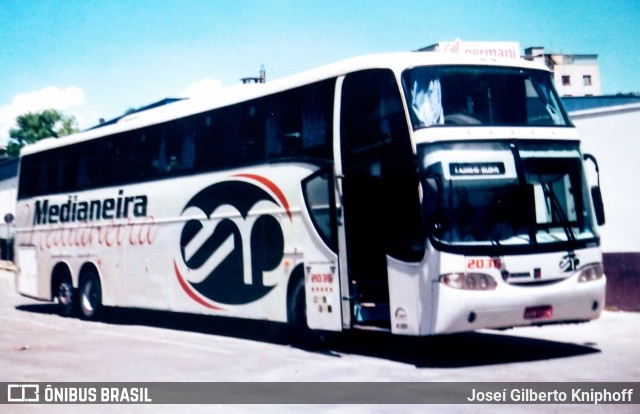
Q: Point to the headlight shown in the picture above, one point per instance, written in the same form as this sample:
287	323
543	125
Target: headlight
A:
469	281
591	272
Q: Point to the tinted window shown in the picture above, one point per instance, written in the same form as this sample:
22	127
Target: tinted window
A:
291	124
479	95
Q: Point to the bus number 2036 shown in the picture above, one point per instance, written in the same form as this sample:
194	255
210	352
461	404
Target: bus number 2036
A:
484	263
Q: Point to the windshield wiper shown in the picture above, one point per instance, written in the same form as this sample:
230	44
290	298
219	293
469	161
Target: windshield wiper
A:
557	208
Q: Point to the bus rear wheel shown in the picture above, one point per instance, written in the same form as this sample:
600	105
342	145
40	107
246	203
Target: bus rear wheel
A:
90	296
66	297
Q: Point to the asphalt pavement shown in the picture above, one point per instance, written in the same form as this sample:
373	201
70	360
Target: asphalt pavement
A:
136	345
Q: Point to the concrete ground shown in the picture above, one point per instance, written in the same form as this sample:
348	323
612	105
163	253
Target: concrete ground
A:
134	345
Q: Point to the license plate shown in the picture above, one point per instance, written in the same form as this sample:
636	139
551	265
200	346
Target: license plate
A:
539	312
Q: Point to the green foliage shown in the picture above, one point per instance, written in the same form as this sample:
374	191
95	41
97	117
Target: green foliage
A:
34	126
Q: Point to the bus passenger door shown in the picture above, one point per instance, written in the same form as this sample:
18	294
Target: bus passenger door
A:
380	192
321	267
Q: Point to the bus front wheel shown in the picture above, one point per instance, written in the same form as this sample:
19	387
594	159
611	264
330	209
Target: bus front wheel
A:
300	335
90	296
297	312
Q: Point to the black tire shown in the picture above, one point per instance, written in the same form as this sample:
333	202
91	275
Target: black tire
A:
299	333
66	297
90	296
297	313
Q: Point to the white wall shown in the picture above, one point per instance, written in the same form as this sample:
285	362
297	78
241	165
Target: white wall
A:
8	197
613	136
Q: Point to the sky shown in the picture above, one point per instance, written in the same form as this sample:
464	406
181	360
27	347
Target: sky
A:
96	59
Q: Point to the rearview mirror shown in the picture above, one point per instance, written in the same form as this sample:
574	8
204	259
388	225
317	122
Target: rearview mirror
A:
598	205
596	194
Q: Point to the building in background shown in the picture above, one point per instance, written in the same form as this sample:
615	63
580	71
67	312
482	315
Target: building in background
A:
8	186
574	75
8	192
609	131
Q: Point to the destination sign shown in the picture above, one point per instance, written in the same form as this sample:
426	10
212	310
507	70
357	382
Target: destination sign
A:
476	168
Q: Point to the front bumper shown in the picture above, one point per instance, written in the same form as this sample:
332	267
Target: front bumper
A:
509	306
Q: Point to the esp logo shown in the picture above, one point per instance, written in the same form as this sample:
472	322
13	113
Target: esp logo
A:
232	237
569	262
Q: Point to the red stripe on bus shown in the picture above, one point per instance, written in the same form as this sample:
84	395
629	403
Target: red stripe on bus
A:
189	291
274	189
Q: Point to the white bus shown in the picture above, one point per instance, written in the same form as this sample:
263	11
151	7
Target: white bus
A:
415	193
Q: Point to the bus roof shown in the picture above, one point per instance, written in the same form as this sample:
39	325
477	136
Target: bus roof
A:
243	92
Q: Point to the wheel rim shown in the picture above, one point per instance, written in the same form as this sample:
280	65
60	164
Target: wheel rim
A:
65	294
90	297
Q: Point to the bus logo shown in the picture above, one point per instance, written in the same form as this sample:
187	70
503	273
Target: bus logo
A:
231	237
569	262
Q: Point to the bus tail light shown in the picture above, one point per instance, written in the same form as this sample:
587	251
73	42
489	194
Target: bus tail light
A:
591	272
469	281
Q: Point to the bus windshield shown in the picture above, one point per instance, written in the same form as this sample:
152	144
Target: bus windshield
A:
506	195
481	96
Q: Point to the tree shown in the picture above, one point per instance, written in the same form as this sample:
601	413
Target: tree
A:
34	126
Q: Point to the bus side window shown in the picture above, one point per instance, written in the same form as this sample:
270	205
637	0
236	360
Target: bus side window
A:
282	124
250	132
177	147
298	122
210	149
187	137
317	119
